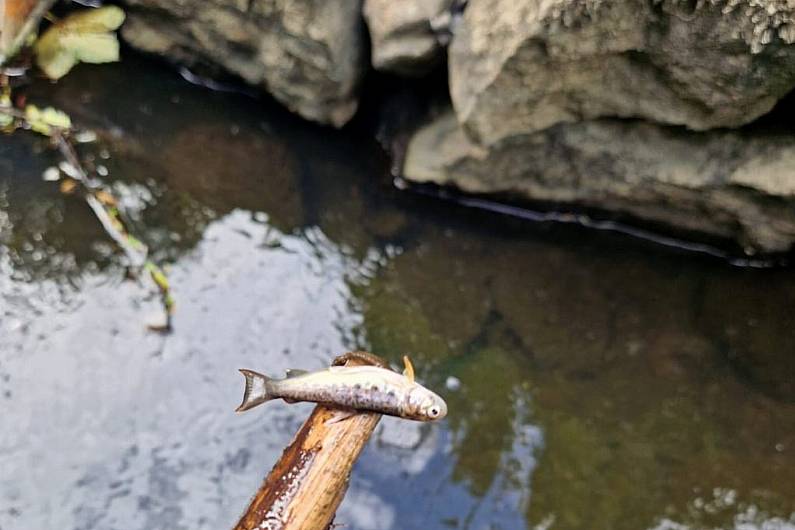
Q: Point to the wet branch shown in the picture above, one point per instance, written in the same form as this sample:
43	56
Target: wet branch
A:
108	216
101	202
307	484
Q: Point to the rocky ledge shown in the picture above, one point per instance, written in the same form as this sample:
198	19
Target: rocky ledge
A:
308	54
725	185
632	106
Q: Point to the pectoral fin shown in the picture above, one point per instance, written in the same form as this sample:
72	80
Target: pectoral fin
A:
408	371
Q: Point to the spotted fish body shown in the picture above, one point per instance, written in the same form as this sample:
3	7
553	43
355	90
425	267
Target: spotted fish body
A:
350	387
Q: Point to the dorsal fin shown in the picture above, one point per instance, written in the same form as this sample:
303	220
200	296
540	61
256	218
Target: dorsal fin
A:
408	371
295	372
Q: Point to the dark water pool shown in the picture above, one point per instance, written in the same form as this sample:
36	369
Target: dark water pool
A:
594	382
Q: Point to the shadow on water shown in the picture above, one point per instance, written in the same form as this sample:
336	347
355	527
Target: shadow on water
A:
593	382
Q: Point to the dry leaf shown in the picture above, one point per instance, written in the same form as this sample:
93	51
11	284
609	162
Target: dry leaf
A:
105	198
68	186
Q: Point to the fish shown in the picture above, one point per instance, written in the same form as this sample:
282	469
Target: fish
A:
368	388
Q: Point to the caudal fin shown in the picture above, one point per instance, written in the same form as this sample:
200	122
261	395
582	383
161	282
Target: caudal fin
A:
256	391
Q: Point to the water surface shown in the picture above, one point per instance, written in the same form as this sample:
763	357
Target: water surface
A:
594	381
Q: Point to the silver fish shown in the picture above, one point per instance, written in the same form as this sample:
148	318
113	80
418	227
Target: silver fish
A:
350	387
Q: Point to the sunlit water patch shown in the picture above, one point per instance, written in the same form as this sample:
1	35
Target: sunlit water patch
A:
154	442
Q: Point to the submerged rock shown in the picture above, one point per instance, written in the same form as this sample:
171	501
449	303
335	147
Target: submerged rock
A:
309	55
723	184
403	36
518	66
755	332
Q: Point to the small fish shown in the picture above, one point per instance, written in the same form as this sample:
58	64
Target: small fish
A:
350	387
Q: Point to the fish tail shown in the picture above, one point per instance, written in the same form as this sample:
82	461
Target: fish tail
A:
258	390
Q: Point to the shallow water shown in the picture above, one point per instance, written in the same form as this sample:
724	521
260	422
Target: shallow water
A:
594	382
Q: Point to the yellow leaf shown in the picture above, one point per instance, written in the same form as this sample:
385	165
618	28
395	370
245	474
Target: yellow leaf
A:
158	276
6	119
107	18
44	120
83	36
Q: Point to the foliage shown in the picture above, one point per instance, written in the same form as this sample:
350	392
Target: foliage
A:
46	120
86	36
57	125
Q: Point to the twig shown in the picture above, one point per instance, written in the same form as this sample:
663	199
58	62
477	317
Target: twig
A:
108	216
135	251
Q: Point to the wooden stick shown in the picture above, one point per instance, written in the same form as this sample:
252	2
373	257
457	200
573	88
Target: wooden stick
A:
308	483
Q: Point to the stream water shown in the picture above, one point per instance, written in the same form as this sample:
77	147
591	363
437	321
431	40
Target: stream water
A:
594	382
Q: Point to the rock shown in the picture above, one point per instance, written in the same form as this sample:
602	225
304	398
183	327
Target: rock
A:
722	184
756	330
402	36
309	54
518	66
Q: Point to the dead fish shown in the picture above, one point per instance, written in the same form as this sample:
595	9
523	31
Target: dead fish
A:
369	388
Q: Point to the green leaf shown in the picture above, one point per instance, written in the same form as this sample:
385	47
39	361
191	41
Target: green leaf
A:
108	18
6	118
85	36
44	120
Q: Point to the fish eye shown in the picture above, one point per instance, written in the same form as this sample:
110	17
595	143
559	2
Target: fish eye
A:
434	412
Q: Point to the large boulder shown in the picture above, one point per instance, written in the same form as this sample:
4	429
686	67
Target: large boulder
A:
518	66
309	54
724	184
402	34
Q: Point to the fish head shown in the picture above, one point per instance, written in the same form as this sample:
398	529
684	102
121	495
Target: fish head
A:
426	405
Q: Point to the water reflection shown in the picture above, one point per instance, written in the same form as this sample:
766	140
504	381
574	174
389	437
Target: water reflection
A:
639	406
603	384
108	426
